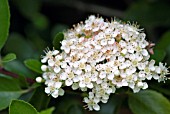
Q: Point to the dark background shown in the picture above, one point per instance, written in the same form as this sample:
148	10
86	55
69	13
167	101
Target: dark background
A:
34	24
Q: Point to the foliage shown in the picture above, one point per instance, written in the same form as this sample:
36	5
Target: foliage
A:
33	27
154	103
4	18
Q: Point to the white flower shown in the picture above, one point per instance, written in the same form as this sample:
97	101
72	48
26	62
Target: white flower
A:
75	86
58	85
60	92
57	69
117	72
111	41
140	84
144	52
69	82
39	79
124	51
145	85
65	46
102	74
100	56
44	68
92	102
110	76
88	68
55	93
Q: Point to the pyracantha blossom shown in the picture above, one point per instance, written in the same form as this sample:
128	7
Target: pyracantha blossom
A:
98	57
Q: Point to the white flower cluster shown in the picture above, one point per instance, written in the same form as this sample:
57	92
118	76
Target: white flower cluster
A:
98	57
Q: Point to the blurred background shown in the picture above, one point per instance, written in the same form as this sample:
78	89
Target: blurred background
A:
34	24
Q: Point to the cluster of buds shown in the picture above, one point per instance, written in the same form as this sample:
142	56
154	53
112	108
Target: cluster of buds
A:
98	57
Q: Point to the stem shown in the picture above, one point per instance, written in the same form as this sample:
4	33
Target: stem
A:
11	74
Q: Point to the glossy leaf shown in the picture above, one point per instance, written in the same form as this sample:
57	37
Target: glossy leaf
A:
5	21
19	68
34	65
9	57
58	38
149	102
47	111
21	107
9	90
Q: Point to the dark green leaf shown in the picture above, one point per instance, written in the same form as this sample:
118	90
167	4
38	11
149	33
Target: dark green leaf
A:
5	21
34	65
158	55
47	111
9	90
21	107
41	98
58	38
164	41
163	90
149	102
19	68
21	80
9	57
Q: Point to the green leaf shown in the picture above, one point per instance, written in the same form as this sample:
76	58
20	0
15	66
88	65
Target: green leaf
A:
9	57
21	80
158	55
34	65
149	102
5	21
58	38
164	41
9	90
19	68
47	111
21	107
158	88
41	98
